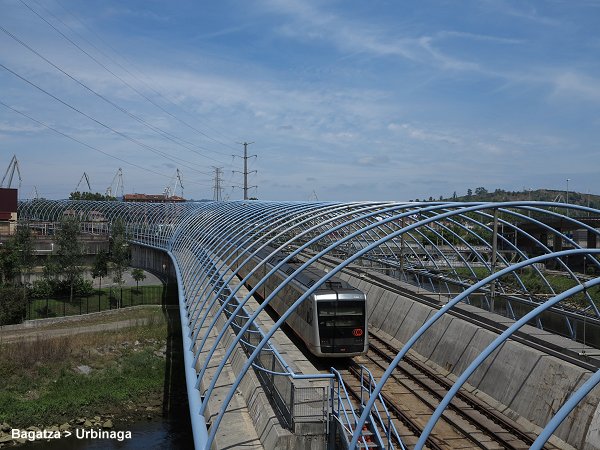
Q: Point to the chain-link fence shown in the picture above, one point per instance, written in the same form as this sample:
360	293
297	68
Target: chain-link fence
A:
110	298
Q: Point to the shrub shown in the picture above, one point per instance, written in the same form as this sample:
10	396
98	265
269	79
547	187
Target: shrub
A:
40	289
13	305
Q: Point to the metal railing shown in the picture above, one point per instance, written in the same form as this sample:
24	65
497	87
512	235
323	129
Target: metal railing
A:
294	404
355	231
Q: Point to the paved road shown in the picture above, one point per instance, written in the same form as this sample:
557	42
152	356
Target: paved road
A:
151	279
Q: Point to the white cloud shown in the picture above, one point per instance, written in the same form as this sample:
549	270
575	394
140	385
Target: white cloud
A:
477	37
357	37
529	13
374	160
20	128
422	134
576	84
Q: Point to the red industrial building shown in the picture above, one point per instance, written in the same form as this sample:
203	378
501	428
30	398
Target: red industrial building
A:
8	211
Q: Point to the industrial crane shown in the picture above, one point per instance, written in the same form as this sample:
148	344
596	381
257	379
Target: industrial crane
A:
117	185
171	188
87	180
10	172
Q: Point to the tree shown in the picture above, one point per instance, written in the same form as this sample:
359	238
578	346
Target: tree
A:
16	255
119	252
90	196
24	247
480	191
100	267
469	192
51	273
138	275
8	262
13	301
70	252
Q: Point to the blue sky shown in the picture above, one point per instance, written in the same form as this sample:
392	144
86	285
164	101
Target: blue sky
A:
348	100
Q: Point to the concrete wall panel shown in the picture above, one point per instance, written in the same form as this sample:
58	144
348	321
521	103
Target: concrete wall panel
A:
446	352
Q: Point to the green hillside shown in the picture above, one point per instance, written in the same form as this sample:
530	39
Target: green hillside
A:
481	194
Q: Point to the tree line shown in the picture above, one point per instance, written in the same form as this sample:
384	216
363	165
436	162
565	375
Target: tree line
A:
90	196
500	195
62	272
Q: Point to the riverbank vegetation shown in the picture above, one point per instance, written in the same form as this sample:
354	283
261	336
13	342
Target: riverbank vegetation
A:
57	378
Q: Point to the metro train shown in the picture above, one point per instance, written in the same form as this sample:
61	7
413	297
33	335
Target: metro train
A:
332	321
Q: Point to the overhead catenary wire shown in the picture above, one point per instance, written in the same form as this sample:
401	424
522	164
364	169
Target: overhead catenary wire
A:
118	77
157	130
74	139
102	124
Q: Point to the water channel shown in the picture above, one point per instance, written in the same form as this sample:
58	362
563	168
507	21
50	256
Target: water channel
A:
171	431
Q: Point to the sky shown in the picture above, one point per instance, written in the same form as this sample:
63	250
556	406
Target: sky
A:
341	100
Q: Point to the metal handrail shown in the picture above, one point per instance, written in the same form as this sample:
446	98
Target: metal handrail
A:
390	429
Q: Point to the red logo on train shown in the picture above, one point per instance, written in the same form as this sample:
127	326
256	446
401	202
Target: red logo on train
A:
357	332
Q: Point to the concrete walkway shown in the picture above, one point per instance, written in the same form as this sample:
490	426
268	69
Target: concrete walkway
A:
150	280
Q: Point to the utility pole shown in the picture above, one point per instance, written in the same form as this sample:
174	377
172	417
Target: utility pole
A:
217	188
568	179
245	172
494	260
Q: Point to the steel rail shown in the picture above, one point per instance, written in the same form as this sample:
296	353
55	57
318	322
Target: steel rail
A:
490	348
453	302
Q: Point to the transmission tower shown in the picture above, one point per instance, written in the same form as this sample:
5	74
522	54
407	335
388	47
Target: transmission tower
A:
245	172
218	184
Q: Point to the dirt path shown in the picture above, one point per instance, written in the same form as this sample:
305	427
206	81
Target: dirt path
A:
73	325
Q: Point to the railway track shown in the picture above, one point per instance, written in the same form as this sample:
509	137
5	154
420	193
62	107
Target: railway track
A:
584	361
414	391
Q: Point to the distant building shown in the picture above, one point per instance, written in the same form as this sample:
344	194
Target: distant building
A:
8	211
151	198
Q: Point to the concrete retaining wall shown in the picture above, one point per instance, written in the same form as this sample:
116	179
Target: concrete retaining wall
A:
153	260
528	382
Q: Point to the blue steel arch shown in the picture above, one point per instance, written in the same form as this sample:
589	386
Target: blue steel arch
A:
297	303
225	231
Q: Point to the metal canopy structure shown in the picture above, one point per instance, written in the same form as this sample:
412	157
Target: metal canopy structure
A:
530	261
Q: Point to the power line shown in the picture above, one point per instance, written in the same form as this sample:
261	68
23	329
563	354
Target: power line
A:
167	99
114	74
157	130
84	143
123	135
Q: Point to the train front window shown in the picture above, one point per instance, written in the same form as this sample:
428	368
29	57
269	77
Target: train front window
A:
341	314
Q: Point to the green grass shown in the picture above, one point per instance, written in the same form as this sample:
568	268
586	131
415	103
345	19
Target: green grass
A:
33	401
42	387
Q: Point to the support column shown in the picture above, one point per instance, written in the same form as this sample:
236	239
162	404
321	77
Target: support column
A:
592	239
